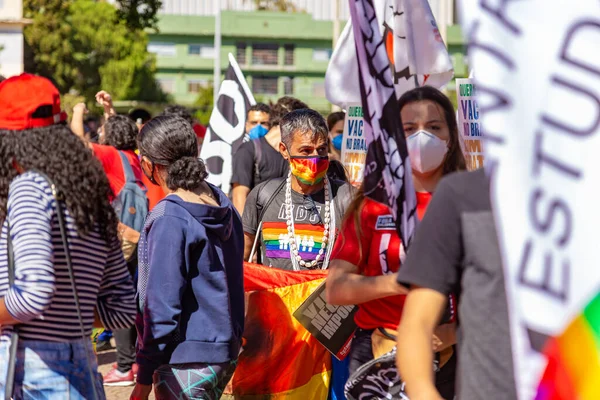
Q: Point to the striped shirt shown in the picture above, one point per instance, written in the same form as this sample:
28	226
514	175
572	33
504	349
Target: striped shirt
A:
42	295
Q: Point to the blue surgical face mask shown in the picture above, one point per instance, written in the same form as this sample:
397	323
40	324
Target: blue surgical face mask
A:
337	142
257	132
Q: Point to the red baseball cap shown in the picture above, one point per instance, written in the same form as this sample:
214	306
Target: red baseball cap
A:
29	101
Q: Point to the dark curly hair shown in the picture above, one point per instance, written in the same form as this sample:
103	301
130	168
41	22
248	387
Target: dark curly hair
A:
120	132
283	106
455	160
170	141
64	158
179	111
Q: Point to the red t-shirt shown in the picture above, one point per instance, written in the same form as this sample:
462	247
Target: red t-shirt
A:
113	166
376	250
154	193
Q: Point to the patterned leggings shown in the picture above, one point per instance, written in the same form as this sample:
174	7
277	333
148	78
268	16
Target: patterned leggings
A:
192	381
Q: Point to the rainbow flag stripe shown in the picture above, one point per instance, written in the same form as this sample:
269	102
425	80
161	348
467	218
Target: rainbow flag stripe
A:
308	237
306	168
573	370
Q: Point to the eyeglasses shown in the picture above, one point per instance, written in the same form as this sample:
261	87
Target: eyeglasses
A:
311	207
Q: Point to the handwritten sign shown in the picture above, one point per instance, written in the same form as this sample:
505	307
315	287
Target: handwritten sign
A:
354	146
469	125
333	326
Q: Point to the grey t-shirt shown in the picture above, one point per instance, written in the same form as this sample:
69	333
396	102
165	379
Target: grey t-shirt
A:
308	213
456	250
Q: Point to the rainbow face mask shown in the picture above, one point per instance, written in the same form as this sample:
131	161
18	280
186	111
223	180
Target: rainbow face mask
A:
309	170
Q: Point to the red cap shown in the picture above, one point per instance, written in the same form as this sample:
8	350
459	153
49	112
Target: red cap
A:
21	98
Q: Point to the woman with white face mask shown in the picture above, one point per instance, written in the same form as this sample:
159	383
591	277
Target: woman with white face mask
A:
369	252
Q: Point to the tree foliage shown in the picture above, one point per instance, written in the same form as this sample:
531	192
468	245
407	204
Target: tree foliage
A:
204	104
139	14
83	46
275	5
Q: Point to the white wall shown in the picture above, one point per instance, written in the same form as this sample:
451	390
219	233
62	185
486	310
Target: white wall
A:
11	55
11	37
11	9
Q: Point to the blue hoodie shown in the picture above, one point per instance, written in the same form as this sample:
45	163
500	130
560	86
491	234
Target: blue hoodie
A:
191	285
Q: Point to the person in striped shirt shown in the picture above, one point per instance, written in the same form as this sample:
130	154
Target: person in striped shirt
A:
53	359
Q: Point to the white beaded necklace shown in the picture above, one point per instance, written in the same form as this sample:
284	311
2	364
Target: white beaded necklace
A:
296	259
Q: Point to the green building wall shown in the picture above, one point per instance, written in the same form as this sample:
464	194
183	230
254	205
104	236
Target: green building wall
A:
297	29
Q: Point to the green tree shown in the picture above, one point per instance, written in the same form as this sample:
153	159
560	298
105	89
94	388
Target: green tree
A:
84	47
139	14
204	104
275	5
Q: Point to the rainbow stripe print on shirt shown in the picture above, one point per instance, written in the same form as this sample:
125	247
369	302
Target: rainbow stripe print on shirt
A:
573	370
277	245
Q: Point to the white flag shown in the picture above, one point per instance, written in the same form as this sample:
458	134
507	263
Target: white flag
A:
414	47
226	126
538	82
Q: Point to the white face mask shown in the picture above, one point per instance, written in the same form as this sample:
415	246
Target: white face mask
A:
426	151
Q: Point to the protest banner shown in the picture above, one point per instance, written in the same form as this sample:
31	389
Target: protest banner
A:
333	326
226	126
388	177
354	146
413	45
280	359
538	86
469	125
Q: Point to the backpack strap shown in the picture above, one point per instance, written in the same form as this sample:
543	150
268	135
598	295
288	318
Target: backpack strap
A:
339	185
257	160
127	170
266	195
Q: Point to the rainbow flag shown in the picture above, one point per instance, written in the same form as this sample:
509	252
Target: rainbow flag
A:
280	359
308	240
573	370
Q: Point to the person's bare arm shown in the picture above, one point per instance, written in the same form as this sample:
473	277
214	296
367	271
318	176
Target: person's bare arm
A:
105	100
344	285
248	243
239	196
79	112
444	336
422	311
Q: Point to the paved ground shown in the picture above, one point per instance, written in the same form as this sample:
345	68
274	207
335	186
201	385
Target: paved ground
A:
105	361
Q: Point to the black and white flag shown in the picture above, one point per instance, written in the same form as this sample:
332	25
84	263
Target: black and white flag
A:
388	176
226	126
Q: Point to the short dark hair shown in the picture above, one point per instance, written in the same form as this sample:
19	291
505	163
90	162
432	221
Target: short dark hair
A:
170	141
334	118
302	121
283	106
120	132
179	111
141	114
260	107
455	160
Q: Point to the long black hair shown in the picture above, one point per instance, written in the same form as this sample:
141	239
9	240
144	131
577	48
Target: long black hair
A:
170	141
64	158
455	160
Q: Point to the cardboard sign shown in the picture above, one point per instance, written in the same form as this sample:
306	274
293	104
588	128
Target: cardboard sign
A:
332	326
469	126
354	146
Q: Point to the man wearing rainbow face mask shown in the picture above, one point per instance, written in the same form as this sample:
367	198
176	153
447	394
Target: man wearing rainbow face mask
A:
295	219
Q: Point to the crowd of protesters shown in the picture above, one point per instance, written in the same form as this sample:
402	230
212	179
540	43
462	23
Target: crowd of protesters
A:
114	225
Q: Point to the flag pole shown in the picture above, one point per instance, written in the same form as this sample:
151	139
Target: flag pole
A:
217	65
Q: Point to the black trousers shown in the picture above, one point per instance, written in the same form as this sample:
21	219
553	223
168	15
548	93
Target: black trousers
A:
125	341
125	338
361	352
